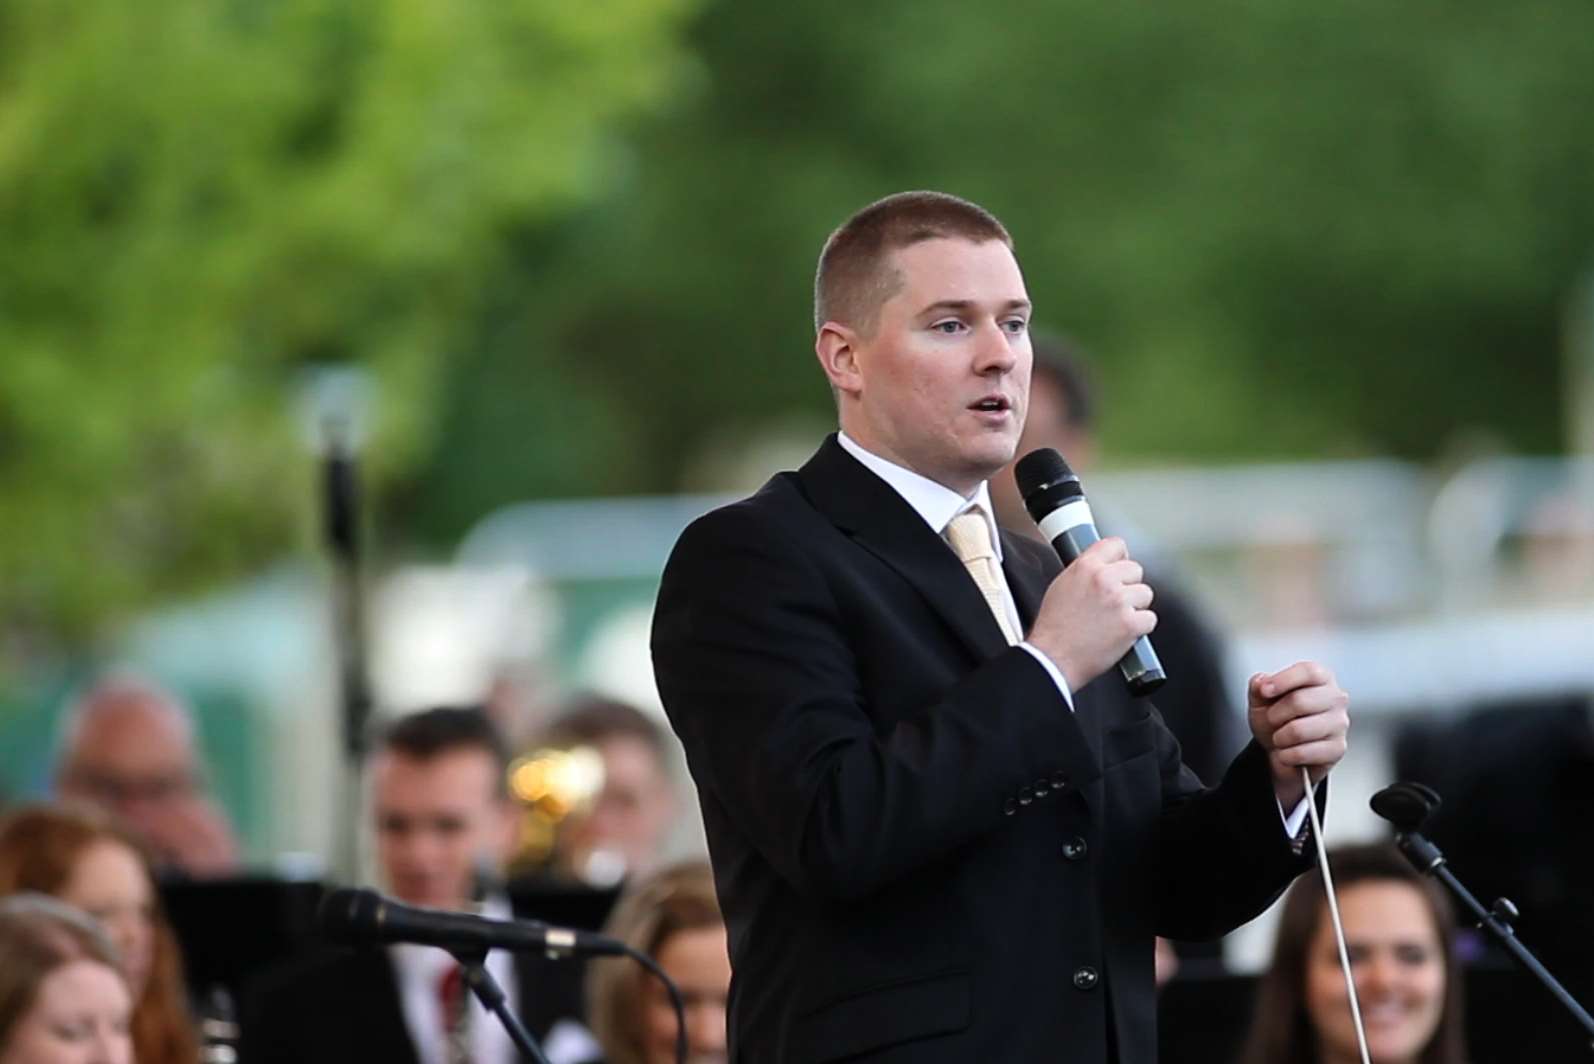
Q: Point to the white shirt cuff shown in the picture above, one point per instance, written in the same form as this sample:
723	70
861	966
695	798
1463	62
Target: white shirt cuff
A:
1053	671
1296	818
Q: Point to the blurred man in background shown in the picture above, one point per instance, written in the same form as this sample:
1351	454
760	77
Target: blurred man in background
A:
443	827
128	747
624	831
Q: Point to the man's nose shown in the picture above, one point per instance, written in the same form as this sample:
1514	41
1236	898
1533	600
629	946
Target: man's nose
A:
995	349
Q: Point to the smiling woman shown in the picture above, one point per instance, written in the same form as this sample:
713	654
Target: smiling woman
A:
63	997
83	859
1399	932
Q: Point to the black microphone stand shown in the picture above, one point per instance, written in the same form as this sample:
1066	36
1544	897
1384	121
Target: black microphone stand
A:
473	966
1408	805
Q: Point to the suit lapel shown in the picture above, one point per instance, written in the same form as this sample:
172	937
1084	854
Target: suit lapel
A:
384	1025
881	521
1030	569
1027	579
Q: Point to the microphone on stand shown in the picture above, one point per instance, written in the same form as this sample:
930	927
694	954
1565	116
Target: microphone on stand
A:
364	916
1054	498
1408	806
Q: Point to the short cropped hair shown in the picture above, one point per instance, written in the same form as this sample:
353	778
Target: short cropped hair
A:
433	732
855	275
589	719
1061	363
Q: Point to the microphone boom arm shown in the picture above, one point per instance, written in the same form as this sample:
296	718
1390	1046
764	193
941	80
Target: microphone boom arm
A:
1396	803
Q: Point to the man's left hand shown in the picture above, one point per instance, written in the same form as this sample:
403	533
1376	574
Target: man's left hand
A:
1300	716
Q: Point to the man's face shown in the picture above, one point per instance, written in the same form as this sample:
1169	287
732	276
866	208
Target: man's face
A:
942	383
624	830
133	756
436	819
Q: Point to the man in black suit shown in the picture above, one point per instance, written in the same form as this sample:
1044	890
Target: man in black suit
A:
442	821
933	839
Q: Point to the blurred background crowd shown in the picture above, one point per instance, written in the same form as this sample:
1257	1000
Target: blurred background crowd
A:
359	364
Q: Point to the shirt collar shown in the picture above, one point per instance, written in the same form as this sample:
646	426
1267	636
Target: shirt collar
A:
936	503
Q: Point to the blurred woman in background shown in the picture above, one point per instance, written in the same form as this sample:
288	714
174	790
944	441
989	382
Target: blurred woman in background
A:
674	917
78	856
63	998
1399	932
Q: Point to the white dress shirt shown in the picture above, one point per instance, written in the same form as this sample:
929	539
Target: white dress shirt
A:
420	970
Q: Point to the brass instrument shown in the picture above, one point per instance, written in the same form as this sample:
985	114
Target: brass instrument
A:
549	784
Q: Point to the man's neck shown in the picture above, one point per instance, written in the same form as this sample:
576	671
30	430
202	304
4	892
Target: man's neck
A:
880	454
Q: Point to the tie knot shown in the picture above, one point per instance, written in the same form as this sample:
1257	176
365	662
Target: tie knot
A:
969	535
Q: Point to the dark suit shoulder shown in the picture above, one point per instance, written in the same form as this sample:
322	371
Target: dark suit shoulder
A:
774	524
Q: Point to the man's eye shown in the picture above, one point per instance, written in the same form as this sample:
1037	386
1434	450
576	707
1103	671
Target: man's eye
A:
948	327
1016	326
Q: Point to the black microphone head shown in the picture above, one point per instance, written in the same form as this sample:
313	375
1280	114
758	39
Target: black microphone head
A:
1406	805
1045	482
349	915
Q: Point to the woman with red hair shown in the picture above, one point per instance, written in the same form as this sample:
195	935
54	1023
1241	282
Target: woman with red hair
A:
80	857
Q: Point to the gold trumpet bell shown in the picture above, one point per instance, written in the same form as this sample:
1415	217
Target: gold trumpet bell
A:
550	784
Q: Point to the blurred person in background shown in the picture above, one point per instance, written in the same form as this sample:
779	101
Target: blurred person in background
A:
80	857
63	996
128	747
674	917
1400	935
1194	702
443	827
624	830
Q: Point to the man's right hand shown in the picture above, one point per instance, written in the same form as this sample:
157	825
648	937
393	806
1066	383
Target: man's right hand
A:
1093	612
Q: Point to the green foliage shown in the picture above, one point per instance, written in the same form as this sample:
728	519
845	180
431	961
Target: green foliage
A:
200	199
1285	229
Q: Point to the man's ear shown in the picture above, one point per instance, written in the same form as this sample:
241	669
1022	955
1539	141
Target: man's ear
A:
837	348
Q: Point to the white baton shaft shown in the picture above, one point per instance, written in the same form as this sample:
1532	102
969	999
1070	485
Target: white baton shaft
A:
1333	912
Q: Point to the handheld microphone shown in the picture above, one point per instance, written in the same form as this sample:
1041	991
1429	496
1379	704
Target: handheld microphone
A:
362	916
1055	500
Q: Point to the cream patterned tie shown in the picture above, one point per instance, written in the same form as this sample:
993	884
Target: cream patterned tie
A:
969	533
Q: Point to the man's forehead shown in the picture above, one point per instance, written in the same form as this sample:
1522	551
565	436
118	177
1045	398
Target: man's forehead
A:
949	269
444	772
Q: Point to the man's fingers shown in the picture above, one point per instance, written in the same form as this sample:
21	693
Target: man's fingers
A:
1305	701
1138	596
1312	728
1313	755
1301	674
1106	551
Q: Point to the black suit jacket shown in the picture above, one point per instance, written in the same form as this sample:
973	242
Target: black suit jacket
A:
922	855
343	1005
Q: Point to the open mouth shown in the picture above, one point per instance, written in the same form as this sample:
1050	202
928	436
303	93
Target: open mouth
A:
992	404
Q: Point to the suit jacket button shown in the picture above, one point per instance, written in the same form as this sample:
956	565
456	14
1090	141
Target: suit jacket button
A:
1086	978
1042	788
1009	807
1025	796
1074	848
1059	781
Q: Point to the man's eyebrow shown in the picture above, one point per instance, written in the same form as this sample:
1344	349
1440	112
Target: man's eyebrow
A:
968	304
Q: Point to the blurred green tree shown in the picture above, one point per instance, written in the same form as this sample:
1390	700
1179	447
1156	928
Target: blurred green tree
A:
1286	229
198	200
